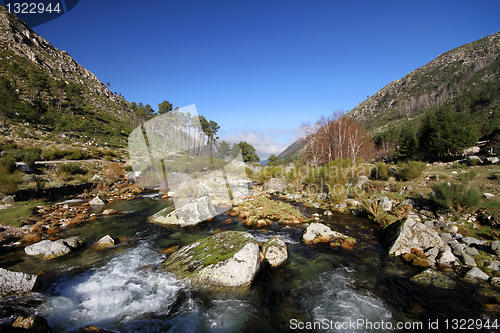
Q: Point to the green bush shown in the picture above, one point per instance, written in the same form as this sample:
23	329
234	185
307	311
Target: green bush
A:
8	163
52	154
381	171
465	178
76	154
31	156
10	181
410	170
455	196
70	169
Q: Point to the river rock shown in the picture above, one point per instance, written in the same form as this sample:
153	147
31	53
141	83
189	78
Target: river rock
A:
96	178
401	236
471	241
96	201
492	160
75	242
48	249
384	203
226	259
320	233
16	282
104	243
430	277
495	247
360	181
274	185
23	167
275	251
190	212
92	329
468	260
32	324
475	274
8	199
446	256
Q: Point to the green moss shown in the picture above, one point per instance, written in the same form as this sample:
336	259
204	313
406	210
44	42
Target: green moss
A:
15	215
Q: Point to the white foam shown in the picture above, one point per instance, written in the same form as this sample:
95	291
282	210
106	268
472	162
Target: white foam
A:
334	300
114	295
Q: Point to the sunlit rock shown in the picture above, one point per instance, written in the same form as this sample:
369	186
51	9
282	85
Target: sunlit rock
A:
227	259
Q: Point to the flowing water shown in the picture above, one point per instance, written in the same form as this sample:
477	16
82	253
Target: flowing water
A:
319	288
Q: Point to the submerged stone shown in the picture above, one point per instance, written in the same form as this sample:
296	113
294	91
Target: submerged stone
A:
430	277
227	259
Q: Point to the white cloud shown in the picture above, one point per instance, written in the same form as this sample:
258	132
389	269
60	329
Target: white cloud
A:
266	142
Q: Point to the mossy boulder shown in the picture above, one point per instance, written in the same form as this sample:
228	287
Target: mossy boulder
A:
227	259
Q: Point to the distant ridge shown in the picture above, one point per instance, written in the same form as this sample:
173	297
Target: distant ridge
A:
470	71
293	149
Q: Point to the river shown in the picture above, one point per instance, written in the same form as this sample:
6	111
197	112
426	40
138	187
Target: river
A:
318	289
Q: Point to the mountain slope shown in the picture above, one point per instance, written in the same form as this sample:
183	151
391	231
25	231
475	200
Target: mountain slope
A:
467	76
54	92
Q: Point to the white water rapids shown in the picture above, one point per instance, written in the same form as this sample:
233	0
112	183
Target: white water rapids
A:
127	295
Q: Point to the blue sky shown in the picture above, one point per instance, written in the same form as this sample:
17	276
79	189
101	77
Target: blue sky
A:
261	68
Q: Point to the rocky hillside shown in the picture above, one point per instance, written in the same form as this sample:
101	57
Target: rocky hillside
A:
51	90
467	72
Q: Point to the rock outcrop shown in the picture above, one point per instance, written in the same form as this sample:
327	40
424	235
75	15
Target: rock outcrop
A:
402	236
227	259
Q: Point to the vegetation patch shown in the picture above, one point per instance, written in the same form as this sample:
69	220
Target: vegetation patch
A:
20	211
261	211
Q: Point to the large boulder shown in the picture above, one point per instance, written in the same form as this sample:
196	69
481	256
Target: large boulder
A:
16	282
274	185
320	233
275	251
48	249
227	259
401	236
189	212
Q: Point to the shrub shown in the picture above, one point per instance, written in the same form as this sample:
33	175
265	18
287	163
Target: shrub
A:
381	171
70	169
465	178
10	181
31	157
374	186
401	211
76	154
52	154
8	163
410	170
114	172
455	196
